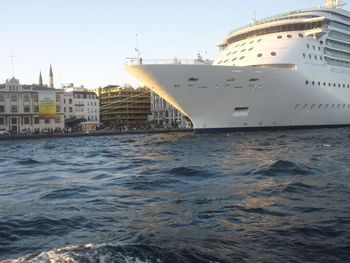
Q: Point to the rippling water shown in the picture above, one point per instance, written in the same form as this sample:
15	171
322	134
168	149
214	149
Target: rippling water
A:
281	196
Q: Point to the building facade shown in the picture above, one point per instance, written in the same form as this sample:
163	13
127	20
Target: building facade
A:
30	107
124	106
81	104
165	115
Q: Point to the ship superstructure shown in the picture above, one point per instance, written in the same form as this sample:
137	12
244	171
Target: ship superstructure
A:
290	70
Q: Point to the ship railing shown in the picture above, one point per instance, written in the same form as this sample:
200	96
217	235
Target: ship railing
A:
139	61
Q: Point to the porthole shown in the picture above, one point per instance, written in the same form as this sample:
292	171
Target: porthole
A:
334	85
308	46
339	85
241	58
289	36
259	40
234	59
348	86
313	82
329	84
279	37
307	82
250	49
319	106
273	53
251	42
228	54
243	44
309	56
319	83
242	50
315	57
324	83
301	35
343	85
225	60
319	48
259	55
304	55
313	47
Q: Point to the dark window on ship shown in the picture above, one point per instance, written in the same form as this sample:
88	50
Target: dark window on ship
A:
339	85
228	54
273	53
334	85
259	55
241	58
313	47
313	82
309	56
250	49
279	37
242	50
315	57
308	46
319	83
301	35
259	40
348	86
307	82
329	84
343	85
324	83
234	59
289	36
304	55
319	49
192	79
251	42
225	60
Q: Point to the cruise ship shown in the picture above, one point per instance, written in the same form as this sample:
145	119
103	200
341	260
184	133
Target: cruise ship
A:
287	71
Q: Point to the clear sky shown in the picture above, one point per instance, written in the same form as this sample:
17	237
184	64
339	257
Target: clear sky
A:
87	41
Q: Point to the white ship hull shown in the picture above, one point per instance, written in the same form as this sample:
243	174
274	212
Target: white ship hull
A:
225	97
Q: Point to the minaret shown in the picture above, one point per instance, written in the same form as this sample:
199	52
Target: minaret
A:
40	80
51	78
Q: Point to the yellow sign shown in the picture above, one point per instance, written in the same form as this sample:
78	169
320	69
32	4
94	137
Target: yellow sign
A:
47	104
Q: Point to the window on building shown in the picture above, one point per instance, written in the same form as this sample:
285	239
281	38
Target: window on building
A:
36	120
36	108
26	97
2	121
70	109
47	121
26	120
57	119
70	101
26	108
35	97
13	97
64	101
57	97
57	108
13	120
14	108
2	108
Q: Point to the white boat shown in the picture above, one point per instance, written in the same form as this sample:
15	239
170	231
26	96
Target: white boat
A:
287	71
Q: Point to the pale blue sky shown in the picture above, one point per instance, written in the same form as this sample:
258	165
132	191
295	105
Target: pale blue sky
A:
87	40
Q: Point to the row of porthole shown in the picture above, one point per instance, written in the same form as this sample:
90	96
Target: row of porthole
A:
310	56
313	47
251	42
325	84
272	54
290	36
313	106
243	50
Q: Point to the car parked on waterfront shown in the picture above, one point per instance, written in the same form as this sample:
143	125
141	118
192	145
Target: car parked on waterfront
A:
3	132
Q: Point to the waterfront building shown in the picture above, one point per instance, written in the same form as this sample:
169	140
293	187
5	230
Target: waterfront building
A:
165	115
81	106
30	108
124	106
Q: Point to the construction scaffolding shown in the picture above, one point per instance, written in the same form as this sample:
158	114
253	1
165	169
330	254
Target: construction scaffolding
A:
124	106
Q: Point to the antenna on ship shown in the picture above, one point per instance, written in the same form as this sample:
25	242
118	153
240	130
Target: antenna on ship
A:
334	3
254	17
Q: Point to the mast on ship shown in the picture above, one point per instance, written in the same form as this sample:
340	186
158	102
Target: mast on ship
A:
334	3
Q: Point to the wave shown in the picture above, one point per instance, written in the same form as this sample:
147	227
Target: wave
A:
284	168
115	253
